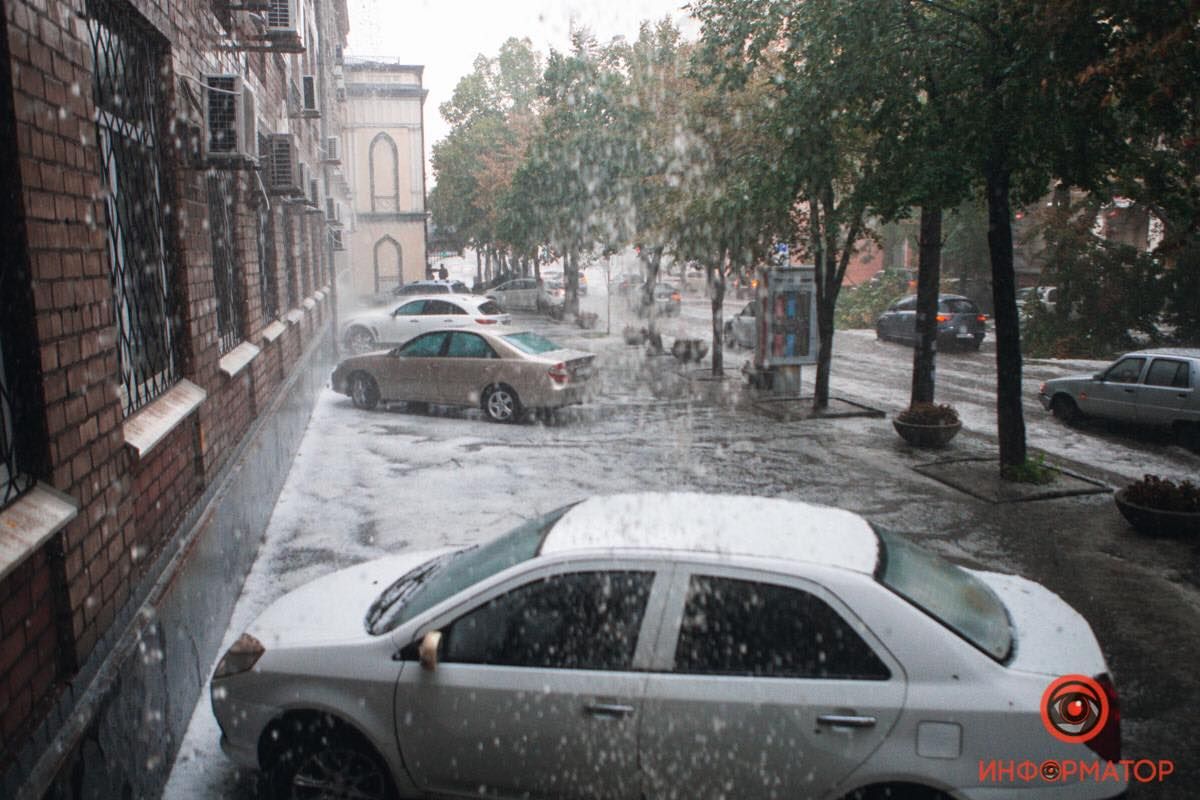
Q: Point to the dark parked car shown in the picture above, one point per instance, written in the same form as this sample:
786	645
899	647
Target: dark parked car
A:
959	321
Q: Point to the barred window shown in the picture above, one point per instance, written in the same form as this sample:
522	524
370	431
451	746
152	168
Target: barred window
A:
290	261
15	475
129	72
226	281
265	235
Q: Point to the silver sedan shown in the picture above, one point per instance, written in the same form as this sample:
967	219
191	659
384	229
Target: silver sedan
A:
671	646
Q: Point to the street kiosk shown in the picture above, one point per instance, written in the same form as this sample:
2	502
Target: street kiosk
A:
787	328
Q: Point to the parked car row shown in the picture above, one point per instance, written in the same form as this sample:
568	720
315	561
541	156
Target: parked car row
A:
369	330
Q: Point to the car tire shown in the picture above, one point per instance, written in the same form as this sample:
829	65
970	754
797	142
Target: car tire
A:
879	334
501	404
330	760
360	340
1065	409
364	392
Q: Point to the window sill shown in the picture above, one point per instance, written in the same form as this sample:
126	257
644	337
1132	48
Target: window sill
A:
309	303
238	359
148	427
29	521
295	316
273	331
319	296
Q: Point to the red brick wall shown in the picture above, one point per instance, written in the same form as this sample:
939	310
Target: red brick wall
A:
28	646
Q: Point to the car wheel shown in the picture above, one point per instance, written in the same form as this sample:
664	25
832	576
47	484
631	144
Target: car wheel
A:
330	763
360	340
364	391
501	404
1187	434
1064	408
879	333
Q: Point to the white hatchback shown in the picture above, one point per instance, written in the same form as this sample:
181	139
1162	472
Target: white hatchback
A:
671	646
401	321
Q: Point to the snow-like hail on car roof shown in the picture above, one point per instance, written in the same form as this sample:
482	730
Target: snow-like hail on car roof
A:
739	525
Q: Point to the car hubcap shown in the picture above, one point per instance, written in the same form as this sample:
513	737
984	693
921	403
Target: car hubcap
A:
360	391
340	774
500	404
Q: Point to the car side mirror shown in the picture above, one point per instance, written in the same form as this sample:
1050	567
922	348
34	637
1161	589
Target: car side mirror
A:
427	652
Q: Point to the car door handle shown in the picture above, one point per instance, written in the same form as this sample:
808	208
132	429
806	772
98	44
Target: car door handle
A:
608	710
846	721
1129	391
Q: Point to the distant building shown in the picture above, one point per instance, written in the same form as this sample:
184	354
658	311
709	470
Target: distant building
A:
383	132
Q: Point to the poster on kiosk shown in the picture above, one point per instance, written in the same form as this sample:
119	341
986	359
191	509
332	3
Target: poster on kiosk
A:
787	318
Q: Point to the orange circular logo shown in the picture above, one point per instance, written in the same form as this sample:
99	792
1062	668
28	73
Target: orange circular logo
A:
1074	708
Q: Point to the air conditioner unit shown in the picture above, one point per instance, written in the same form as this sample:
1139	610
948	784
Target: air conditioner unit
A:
314	193
333	212
230	121
311	108
283	168
333	150
285	27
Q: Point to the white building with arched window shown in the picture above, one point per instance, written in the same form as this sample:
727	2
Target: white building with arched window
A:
384	156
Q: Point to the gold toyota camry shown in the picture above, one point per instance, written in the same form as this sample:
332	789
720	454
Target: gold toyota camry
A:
503	372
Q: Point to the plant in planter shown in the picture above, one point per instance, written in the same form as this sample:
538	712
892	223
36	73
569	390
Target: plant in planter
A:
927	424
1158	506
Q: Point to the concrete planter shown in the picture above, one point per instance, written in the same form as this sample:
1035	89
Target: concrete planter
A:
687	350
926	435
1156	522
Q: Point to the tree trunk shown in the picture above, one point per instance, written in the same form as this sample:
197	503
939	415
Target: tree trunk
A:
571	273
928	281
716	283
1010	419
479	267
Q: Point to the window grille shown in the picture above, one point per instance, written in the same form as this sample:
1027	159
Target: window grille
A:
265	234
129	73
225	274
14	479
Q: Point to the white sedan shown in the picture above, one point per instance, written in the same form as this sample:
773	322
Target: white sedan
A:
671	646
398	323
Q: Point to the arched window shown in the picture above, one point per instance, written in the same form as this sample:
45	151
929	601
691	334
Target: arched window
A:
388	264
384	162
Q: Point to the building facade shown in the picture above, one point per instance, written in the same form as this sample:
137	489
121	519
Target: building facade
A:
383	131
171	223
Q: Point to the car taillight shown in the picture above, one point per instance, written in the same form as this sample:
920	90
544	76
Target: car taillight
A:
485	320
1107	743
981	318
558	373
942	318
675	296
241	656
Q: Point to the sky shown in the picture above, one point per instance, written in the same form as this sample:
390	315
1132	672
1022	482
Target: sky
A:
446	35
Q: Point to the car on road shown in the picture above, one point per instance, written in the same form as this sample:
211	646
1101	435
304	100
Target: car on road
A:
742	329
521	294
1027	298
431	287
396	324
670	646
666	300
626	282
502	372
1158	387
959	322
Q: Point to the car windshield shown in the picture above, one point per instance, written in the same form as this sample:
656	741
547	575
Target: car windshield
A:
946	592
957	306
532	343
445	576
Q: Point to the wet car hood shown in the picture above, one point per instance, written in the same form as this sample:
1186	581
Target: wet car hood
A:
333	607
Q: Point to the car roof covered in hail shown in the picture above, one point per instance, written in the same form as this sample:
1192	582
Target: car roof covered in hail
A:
1182	352
728	525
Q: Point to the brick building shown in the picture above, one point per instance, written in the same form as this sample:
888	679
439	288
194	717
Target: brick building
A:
170	232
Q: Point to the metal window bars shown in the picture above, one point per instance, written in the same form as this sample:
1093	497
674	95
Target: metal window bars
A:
226	283
128	75
14	481
265	240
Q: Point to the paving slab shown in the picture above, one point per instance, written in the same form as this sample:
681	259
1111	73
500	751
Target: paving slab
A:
980	478
793	409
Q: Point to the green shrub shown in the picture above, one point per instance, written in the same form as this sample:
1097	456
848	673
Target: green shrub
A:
1163	494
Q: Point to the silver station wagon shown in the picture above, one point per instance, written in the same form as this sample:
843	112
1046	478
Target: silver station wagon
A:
667	646
1155	387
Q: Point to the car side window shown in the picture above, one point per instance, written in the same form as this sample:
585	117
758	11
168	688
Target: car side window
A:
426	346
737	627
414	308
1166	372
1126	370
906	305
439	307
469	345
577	620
